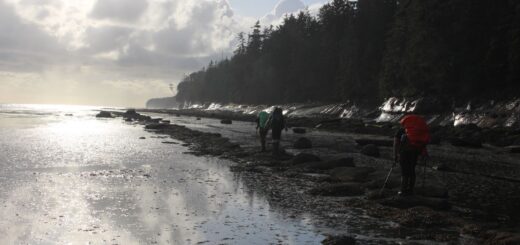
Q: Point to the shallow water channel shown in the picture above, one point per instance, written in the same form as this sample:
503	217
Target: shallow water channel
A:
70	179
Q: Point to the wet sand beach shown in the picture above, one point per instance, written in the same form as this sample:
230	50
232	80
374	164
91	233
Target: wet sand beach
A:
77	179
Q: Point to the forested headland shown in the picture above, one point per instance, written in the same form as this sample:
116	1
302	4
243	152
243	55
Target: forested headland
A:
367	50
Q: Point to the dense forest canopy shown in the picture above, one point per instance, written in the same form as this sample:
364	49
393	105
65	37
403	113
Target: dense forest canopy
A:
367	50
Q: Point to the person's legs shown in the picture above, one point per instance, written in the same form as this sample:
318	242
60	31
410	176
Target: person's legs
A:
405	172
408	160
276	141
413	162
263	135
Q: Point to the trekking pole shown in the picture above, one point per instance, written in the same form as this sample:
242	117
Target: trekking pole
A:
386	180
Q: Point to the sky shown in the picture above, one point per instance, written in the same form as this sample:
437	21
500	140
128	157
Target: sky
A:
118	52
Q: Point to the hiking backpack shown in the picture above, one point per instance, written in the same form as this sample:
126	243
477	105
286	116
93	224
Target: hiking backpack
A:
416	130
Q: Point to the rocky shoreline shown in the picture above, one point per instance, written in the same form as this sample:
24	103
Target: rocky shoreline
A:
468	193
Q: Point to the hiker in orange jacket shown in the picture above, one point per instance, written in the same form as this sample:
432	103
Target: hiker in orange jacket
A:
409	143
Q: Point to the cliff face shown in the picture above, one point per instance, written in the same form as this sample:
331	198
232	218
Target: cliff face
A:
162	103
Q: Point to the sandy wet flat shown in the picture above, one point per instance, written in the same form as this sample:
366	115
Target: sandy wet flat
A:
79	179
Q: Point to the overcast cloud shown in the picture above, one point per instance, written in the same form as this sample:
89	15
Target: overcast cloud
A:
112	52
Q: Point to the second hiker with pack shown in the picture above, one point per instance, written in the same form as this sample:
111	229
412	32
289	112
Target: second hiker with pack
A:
276	123
262	127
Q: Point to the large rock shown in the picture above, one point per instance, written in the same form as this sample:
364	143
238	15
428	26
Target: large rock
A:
467	142
339	240
130	112
226	121
156	126
378	142
154	120
351	174
299	130
343	189
304	157
514	149
325	165
303	143
405	202
422	217
104	114
370	150
501	237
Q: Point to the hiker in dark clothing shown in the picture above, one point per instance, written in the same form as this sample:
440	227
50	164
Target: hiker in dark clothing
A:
277	123
409	143
262	127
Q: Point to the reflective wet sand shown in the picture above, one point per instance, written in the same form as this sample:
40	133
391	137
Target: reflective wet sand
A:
77	179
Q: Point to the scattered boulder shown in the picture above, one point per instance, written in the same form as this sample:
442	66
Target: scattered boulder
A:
502	237
370	150
69	115
405	202
423	217
198	119
170	142
305	157
130	112
472	229
514	149
226	121
339	240
142	138
377	142
299	130
351	174
154	120
303	143
104	114
343	189
467	142
156	126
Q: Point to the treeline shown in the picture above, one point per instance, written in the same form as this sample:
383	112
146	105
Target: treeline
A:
367	50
